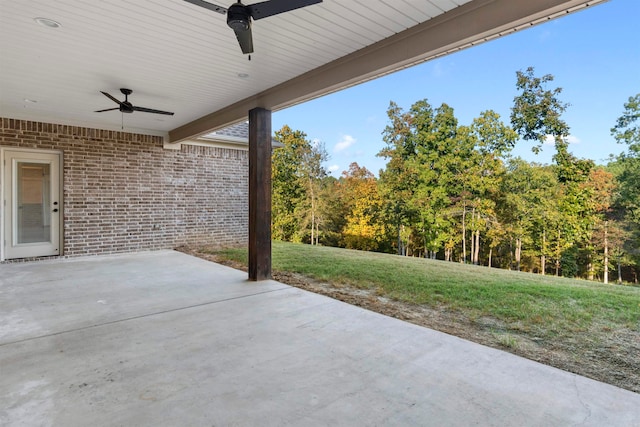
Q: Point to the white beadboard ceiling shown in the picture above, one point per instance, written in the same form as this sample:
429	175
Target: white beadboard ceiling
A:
182	58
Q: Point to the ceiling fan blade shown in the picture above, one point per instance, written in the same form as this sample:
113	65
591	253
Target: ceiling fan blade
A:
151	110
207	5
111	98
108	109
246	40
274	7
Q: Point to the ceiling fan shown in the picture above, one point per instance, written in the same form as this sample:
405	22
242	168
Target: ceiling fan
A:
239	16
127	107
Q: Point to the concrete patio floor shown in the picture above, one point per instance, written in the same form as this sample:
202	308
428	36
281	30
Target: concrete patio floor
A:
166	339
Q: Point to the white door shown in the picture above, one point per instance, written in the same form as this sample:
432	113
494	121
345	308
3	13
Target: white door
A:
32	204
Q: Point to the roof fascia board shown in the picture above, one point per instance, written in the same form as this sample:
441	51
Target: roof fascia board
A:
462	27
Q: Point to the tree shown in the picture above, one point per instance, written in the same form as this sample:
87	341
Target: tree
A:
439	161
536	115
536	111
627	172
627	128
312	174
297	176
627	131
333	212
361	197
288	192
441	178
601	187
399	178
492	139
529	210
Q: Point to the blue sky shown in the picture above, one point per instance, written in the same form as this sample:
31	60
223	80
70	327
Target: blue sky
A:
593	54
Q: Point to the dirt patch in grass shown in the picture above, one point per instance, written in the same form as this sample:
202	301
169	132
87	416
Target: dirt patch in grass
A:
606	355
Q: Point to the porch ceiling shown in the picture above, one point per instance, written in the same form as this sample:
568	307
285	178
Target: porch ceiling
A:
183	58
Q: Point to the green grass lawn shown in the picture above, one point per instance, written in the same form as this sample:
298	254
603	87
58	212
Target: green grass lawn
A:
536	305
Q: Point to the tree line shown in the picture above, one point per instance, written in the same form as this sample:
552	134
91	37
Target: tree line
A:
453	192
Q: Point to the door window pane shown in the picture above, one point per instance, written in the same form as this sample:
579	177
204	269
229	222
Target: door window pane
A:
33	213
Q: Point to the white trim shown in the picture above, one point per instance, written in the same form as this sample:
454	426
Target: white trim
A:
217	141
230	142
225	139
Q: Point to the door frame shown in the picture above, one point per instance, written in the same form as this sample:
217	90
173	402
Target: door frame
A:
3	195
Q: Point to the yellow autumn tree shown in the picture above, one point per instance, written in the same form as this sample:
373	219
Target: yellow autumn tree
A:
360	194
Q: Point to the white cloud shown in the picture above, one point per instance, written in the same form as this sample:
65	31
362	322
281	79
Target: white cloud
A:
442	68
571	139
346	142
334	168
544	36
437	70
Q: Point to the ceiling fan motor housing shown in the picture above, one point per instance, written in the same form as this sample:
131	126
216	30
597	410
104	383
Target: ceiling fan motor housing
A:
238	17
126	107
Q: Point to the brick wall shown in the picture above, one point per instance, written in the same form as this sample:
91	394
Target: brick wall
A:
123	192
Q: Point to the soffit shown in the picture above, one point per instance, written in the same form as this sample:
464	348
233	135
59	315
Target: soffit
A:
178	57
